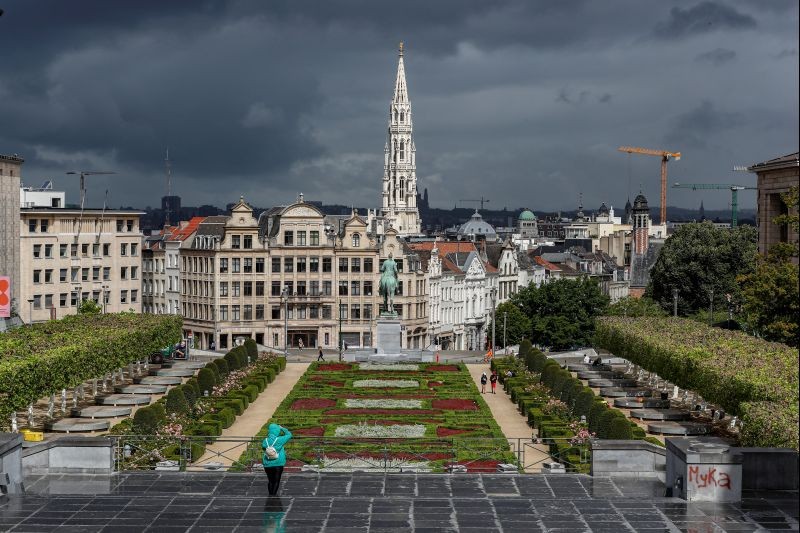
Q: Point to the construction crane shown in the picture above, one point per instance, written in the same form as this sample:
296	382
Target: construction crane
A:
722	186
665	156
481	201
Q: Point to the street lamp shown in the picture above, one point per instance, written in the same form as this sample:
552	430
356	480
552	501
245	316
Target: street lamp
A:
30	311
675	302
285	298
494	301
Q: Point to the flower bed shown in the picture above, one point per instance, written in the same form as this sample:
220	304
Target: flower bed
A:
42	359
389	416
390	368
312	403
753	378
386	383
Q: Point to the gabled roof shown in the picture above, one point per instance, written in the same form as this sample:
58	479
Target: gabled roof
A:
546	264
785	161
181	233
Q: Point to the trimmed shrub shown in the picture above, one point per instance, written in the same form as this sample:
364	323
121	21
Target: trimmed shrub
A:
206	380
583	403
215	369
281	364
539	360
189	394
222	366
604	425
549	373
252	392
573	392
192	382
637	432
653	440
258	381
226	417
197	450
232	361
241	395
251	349
234	404
619	429
596	411
210	425
176	401
146	421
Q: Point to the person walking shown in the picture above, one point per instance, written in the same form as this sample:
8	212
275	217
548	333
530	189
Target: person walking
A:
275	455
300	344
493	379
484	379
319	356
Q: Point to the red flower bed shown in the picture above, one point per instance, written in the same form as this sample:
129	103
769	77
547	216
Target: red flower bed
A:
335	383
399	412
310	432
312	403
480	466
432	384
442	368
455	405
446	432
334	367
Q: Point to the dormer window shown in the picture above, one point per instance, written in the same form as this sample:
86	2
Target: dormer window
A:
356	240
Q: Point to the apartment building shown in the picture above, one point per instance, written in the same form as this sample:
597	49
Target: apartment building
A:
71	255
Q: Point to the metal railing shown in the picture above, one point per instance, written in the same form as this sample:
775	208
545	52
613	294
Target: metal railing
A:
332	454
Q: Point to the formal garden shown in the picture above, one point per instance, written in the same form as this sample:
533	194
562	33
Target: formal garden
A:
178	426
747	376
46	358
426	417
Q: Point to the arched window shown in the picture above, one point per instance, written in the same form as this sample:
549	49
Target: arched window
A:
395	115
395	151
356	240
402	150
402	117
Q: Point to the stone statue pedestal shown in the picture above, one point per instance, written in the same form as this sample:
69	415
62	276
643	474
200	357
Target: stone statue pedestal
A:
388	335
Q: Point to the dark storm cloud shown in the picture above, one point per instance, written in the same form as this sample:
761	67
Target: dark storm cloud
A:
716	57
702	18
522	100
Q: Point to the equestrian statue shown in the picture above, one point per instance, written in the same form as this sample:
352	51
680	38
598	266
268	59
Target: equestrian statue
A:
388	285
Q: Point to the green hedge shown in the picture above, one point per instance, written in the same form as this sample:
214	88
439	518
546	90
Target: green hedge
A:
39	360
747	376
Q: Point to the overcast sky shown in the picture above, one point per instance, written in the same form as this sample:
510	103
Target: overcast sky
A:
522	102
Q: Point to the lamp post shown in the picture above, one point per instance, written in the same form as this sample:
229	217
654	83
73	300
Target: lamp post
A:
30	311
505	323
494	301
105	297
675	302
285	298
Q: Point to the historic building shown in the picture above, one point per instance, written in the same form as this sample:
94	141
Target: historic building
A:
10	170
71	255
399	198
775	177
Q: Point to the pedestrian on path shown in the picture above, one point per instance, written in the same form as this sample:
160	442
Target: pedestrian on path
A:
275	455
319	357
300	344
493	379
484	379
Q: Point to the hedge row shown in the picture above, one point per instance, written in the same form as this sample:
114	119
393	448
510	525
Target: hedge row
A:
39	360
747	376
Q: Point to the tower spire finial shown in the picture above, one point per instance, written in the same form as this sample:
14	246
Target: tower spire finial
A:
400	49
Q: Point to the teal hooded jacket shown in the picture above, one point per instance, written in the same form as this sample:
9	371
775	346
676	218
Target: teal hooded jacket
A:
277	437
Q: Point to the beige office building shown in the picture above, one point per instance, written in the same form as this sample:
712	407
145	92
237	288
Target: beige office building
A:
69	255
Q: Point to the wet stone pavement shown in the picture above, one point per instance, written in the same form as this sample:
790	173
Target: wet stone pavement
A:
163	501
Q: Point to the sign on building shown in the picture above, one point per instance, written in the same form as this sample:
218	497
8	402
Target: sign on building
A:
5	297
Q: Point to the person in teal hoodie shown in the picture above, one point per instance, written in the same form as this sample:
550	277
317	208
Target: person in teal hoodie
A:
277	437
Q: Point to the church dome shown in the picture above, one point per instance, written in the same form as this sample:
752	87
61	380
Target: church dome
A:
603	209
476	226
640	202
527	215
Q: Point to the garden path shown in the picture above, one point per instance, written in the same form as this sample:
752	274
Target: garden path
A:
513	425
253	418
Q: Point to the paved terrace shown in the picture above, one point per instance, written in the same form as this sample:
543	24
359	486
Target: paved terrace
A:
155	501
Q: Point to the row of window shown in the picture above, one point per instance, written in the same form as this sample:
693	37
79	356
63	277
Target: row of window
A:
46	300
297	312
42	225
46	250
249	265
292	288
289	238
82	274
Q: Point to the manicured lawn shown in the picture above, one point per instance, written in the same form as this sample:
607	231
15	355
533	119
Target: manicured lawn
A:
423	415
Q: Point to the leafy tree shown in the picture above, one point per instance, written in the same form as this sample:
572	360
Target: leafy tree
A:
770	297
630	306
697	259
89	307
562	312
512	323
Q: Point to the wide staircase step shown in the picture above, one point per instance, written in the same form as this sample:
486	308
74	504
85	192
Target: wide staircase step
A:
641	403
124	399
174	372
101	411
140	389
195	365
627	392
678	428
158	380
661	414
600	383
77	425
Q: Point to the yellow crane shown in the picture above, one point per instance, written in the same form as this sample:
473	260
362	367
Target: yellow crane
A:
665	156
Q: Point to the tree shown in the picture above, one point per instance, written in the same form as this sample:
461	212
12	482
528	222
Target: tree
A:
770	296
562	312
89	307
517	325
700	258
630	306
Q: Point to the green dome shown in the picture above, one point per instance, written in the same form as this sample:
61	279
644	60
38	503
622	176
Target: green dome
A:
527	215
